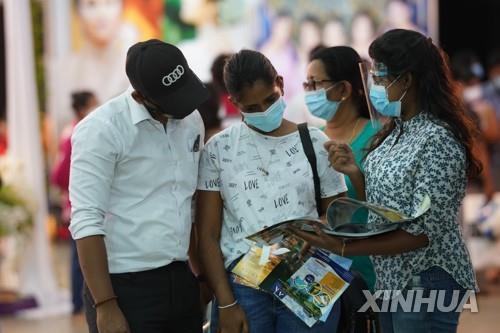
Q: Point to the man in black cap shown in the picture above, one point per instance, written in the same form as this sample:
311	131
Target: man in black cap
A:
133	175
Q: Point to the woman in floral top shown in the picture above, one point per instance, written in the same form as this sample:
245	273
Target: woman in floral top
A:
425	150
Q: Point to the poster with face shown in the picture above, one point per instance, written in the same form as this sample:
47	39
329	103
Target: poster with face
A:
101	31
99	20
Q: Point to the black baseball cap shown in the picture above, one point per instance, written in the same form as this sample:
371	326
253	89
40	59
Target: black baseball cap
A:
160	72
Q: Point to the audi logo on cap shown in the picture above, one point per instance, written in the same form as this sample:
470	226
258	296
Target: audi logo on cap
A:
172	77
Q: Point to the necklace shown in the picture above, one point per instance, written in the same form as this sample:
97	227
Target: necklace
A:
354	131
264	167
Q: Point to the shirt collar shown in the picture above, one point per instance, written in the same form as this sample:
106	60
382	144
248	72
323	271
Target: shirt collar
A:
138	112
414	122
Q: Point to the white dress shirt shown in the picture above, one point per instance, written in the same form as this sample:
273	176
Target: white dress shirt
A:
263	180
132	180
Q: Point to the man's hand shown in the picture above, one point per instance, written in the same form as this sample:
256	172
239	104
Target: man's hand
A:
110	319
232	320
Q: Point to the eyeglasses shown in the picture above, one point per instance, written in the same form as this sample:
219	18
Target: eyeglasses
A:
381	80
312	84
386	80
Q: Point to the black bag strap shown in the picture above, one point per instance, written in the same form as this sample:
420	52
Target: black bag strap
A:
307	144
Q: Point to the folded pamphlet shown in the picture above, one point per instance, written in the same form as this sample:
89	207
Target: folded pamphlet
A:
307	280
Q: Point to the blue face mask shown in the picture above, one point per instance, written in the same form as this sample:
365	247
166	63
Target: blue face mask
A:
319	105
269	120
380	100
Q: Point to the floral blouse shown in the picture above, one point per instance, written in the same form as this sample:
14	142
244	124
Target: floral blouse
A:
421	157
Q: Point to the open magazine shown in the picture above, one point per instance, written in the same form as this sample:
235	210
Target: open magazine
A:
344	216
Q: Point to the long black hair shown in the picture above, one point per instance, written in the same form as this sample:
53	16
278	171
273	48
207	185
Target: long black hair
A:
246	67
404	51
342	64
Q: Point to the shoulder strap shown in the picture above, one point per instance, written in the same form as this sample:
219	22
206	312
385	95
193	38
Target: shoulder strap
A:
307	144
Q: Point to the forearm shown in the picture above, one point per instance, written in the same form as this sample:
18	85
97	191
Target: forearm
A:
358	181
94	263
392	243
194	260
213	266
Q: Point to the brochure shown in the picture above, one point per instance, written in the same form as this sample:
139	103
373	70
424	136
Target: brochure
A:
307	280
311	291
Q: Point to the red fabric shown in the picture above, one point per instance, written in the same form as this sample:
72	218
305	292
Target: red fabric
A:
60	174
3	144
231	110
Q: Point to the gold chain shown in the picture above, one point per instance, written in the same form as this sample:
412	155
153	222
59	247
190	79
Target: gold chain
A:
354	131
264	167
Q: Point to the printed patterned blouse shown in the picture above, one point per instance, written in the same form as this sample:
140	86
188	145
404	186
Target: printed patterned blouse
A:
263	180
421	157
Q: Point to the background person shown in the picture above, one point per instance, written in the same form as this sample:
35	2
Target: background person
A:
83	103
491	94
468	72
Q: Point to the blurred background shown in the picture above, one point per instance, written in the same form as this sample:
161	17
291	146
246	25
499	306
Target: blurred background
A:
59	59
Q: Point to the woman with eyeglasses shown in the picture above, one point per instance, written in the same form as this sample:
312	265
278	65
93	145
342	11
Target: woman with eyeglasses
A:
252	175
424	151
334	92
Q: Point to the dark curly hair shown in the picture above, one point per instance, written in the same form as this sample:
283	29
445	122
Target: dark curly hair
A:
405	51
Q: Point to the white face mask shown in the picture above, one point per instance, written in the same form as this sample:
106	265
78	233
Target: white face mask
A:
473	93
